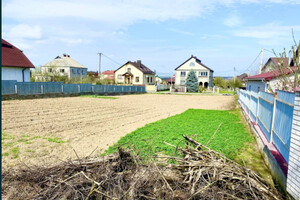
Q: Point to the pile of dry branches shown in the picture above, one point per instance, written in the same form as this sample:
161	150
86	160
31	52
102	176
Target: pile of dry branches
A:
200	174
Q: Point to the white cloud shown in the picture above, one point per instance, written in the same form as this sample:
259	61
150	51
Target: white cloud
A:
268	34
233	21
181	32
24	31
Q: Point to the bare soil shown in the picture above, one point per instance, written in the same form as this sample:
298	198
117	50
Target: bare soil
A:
42	131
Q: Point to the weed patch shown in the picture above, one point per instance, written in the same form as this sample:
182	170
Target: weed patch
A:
201	124
15	152
101	97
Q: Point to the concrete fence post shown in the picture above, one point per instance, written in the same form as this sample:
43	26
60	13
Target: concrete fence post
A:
62	88
78	88
42	89
293	176
16	89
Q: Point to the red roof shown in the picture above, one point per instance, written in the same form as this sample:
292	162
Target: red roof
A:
109	72
14	57
270	75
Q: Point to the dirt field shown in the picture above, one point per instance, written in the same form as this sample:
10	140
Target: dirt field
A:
50	130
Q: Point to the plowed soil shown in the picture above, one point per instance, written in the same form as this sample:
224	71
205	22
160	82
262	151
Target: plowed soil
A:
42	131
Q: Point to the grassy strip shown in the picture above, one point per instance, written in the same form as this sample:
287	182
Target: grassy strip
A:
201	124
226	92
101	97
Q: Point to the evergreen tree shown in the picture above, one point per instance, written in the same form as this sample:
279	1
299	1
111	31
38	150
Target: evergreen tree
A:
192	82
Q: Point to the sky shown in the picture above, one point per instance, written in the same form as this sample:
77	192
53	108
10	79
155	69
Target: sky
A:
223	34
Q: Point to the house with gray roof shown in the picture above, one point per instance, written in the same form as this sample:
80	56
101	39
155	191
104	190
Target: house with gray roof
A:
203	73
65	65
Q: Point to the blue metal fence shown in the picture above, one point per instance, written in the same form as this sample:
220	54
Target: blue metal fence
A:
283	122
31	88
71	88
52	87
275	123
8	86
85	88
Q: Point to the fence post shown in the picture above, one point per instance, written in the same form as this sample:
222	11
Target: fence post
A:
249	103
42	89
62	88
273	117
16	89
257	110
93	90
78	88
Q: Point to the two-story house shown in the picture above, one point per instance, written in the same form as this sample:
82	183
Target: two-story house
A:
203	73
134	73
65	65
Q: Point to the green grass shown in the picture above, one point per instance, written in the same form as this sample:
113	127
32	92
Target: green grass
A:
101	97
15	152
201	124
54	139
227	92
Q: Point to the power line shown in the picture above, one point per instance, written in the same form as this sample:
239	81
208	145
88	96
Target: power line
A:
252	62
111	59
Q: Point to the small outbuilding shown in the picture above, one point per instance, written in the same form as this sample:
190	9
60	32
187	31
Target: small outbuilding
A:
15	65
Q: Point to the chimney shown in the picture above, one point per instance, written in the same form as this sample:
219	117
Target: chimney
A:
139	62
192	55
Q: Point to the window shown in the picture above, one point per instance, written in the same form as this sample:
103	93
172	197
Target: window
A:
148	79
203	73
62	70
258	89
83	72
182	74
129	70
182	82
119	76
50	69
151	79
78	71
192	64
137	79
74	71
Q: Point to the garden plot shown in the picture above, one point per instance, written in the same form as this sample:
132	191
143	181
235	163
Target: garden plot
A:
51	130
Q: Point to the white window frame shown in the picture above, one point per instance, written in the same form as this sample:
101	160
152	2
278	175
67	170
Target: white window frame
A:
182	74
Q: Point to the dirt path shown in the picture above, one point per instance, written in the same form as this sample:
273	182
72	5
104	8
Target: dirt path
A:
47	130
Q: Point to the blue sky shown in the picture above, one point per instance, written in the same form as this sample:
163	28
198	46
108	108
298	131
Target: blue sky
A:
223	34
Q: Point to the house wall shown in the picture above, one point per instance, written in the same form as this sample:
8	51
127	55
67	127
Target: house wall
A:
256	85
293	177
68	71
269	66
186	67
15	73
136	73
276	83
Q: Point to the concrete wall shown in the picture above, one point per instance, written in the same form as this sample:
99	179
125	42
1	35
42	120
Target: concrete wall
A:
293	177
193	65
253	86
15	73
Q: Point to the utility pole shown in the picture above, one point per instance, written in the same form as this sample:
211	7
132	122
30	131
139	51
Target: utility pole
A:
234	74
261	59
99	73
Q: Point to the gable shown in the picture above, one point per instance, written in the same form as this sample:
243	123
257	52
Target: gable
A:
193	63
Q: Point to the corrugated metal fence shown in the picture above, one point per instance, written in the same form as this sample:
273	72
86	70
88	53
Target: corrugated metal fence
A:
273	115
33	88
161	87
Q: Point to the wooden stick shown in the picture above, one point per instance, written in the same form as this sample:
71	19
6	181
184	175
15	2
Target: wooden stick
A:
214	134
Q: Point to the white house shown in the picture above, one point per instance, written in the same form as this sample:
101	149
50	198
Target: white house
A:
204	73
65	65
134	73
15	65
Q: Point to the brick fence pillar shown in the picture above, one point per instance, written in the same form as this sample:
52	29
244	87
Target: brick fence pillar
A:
293	177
